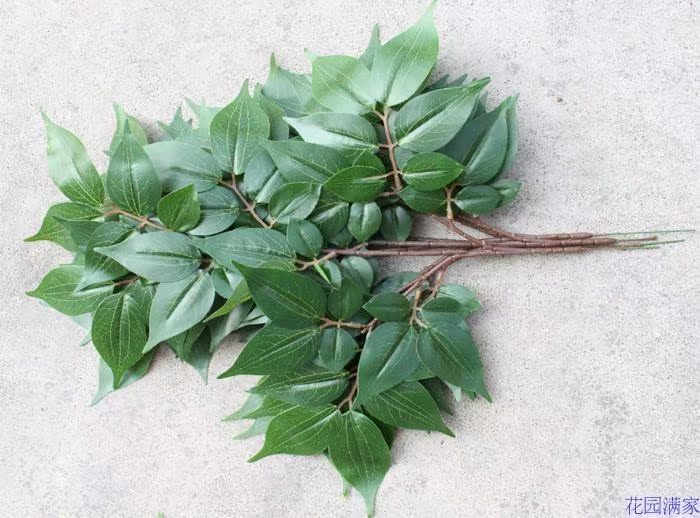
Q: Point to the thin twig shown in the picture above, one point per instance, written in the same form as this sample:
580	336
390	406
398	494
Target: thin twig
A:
248	206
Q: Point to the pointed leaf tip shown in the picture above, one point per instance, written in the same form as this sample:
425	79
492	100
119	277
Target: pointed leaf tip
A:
311	56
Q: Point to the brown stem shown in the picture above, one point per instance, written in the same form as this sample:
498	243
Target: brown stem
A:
390	146
248	206
335	323
347	400
478	224
142	219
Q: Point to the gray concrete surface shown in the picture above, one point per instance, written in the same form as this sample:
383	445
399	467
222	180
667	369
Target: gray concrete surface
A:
592	360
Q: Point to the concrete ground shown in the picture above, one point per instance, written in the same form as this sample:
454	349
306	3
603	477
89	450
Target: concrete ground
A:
592	360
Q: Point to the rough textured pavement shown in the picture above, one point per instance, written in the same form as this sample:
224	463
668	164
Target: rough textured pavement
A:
592	360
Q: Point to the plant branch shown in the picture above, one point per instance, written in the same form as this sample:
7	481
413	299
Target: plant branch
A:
248	206
390	146
145	222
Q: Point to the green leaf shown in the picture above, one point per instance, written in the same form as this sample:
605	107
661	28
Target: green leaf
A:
468	303
79	230
311	386
442	309
388	358
357	183
268	407
477	199
344	302
336	130
221	327
430	171
294	200
182	343
396	224
200	355
179	164
119	333
70	166
508	189
402	64
59	290
252	403
360	270
98	267
219	209
177	306
279	129
256	247
389	307
237	132
300	431
364	220
178	129
449	352
132	183
259	427
361	456
124	120
330	216
304	237
407	405
512	120
179	210
240	294
337	348
300	161
431	120
468	138
105	384
52	228
276	350
157	256
289	299
291	91
394	282
422	201
341	84
373	46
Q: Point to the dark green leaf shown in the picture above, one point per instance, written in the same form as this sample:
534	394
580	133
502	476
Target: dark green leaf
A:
341	84
158	256
308	387
300	161
357	183
177	306
477	199
98	267
279	129
449	352
364	220
330	216
276	350
396	224
59	290
421	201
338	347
361	455
119	333
358	269
132	183
431	120
508	189
304	238
70	166
221	327
442	309
402	64
219	209
179	210
430	171
395	281
179	164
237	132
294	200
344	302
251	247
288	299
388	358
182	343
336	130
389	307
468	303
300	431
407	405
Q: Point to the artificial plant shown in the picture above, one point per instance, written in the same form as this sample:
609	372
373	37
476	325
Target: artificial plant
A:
269	213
